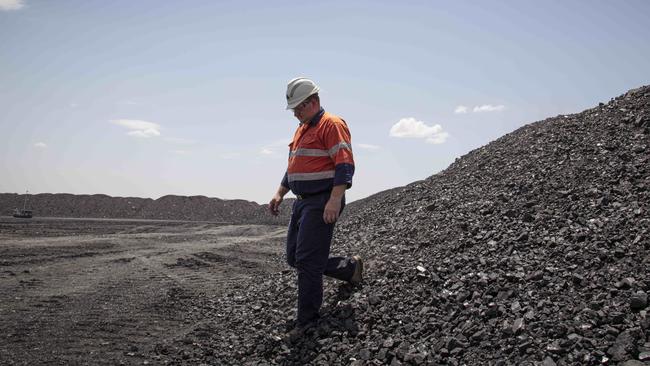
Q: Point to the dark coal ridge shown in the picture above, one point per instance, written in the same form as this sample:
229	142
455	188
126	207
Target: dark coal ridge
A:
531	250
170	207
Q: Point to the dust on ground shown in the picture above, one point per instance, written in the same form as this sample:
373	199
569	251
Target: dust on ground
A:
80	291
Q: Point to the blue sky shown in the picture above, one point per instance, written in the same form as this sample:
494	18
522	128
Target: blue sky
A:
148	98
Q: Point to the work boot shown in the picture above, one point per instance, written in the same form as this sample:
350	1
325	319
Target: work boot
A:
294	335
298	332
357	276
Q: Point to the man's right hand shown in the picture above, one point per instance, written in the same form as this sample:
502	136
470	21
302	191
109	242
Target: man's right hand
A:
274	205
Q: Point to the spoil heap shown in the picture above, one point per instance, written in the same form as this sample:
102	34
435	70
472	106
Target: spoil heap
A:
170	207
532	250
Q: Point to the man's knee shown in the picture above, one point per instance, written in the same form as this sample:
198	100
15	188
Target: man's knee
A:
309	268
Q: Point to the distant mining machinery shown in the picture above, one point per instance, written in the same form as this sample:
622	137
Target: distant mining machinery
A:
24	213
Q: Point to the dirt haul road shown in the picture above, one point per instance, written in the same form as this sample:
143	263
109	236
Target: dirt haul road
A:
78	291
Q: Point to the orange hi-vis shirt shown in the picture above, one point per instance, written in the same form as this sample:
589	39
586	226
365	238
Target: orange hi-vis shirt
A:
320	156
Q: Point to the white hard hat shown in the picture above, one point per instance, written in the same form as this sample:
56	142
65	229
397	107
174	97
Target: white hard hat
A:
298	90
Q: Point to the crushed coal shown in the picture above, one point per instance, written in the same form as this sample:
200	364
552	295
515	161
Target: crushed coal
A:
531	250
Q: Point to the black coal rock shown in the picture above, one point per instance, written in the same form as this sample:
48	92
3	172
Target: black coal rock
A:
639	300
625	346
532	249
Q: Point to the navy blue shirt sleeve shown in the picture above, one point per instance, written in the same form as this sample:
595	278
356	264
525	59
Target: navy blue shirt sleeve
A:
343	174
285	181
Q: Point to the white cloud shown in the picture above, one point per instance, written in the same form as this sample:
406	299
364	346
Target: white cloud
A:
74	105
8	5
368	146
180	141
181	152
134	124
489	108
461	109
142	129
149	132
412	128
266	151
40	145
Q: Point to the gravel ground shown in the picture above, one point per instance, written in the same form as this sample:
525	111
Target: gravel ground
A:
107	291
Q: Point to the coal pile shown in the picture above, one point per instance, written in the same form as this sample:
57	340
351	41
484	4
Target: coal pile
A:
534	249
192	208
531	250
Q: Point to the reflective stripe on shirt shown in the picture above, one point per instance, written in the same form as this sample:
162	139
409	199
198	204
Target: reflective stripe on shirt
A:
318	152
341	145
311	176
309	152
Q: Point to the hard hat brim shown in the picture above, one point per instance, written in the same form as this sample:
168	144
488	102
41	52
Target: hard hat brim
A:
294	103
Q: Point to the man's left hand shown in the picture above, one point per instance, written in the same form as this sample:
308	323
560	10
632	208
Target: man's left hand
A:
332	210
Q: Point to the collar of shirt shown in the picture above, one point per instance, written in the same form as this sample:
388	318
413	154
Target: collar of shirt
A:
314	120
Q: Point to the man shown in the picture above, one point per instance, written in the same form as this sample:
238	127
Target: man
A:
320	170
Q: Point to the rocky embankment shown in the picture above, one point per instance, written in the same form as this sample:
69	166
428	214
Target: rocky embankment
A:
531	250
193	208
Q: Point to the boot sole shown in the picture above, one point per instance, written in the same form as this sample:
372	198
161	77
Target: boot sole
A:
357	277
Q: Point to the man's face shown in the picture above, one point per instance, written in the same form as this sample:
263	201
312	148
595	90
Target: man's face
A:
305	110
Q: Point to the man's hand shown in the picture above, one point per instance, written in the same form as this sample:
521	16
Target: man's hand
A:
332	209
274	205
333	206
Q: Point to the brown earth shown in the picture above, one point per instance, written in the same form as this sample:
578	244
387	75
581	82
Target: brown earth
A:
75	291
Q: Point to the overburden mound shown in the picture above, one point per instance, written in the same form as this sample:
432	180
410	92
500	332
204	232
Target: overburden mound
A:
531	250
170	207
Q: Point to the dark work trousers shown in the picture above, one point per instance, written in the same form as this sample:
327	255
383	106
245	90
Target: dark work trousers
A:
308	249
